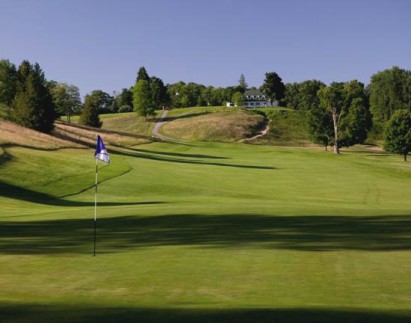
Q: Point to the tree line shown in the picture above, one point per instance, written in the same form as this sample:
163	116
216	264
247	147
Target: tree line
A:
340	114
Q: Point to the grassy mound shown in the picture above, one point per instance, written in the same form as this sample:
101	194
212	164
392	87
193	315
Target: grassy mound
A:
12	134
286	128
223	125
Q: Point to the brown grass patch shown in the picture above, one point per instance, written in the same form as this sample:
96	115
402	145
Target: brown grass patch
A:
228	126
13	134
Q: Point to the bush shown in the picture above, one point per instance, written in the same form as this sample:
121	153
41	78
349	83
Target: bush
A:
125	108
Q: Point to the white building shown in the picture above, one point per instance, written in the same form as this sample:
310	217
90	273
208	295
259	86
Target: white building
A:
256	99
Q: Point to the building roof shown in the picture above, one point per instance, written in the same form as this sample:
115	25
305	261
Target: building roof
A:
254	95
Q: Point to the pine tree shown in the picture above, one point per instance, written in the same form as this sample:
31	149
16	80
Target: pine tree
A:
143	99
33	106
242	82
142	75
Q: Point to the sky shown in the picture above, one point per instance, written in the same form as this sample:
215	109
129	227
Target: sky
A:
101	44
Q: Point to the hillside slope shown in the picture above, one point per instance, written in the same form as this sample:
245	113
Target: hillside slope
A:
223	125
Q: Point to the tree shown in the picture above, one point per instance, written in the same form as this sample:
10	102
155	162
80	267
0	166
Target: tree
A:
158	92
90	114
143	99
320	126
242	82
273	87
397	133
8	82
347	105
142	74
390	90
32	106
125	98
66	98
292	95
308	94
238	99
104	101
175	91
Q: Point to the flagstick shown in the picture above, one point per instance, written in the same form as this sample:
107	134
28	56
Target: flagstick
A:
95	209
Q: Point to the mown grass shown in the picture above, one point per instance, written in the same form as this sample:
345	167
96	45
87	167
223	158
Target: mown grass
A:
206	232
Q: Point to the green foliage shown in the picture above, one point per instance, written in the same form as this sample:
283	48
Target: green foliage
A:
125	98
348	117
398	133
142	74
320	126
242	83
105	102
390	90
8	82
238	99
125	108
273	87
143	99
33	106
158	92
66	98
304	95
90	114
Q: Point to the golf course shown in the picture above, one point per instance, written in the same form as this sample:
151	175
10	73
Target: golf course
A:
201	231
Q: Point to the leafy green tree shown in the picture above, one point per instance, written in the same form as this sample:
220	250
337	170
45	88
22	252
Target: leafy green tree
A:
66	98
159	92
273	87
308	94
242	83
8	82
125	98
176	94
320	127
390	90
397	133
90	113
143	99
292	95
238	99
142	75
105	102
347	105
32	106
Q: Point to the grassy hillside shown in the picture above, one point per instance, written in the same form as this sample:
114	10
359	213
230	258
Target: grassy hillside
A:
202	231
206	232
212	124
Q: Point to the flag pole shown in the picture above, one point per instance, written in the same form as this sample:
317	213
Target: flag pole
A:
95	209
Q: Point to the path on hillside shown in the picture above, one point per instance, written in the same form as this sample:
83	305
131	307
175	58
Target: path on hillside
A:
159	124
261	133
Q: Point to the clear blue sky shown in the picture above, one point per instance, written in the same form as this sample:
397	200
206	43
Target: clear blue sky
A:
100	44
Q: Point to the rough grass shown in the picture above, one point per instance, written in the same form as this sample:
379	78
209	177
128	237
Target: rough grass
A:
13	134
287	128
223	125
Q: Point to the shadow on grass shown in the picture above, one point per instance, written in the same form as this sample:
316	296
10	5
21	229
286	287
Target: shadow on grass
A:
153	156
116	234
176	154
183	116
24	194
60	313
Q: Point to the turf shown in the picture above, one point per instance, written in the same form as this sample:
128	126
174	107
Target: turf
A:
205	232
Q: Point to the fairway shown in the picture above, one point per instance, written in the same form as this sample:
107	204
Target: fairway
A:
205	232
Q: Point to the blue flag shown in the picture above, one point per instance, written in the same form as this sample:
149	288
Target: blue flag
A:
101	151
